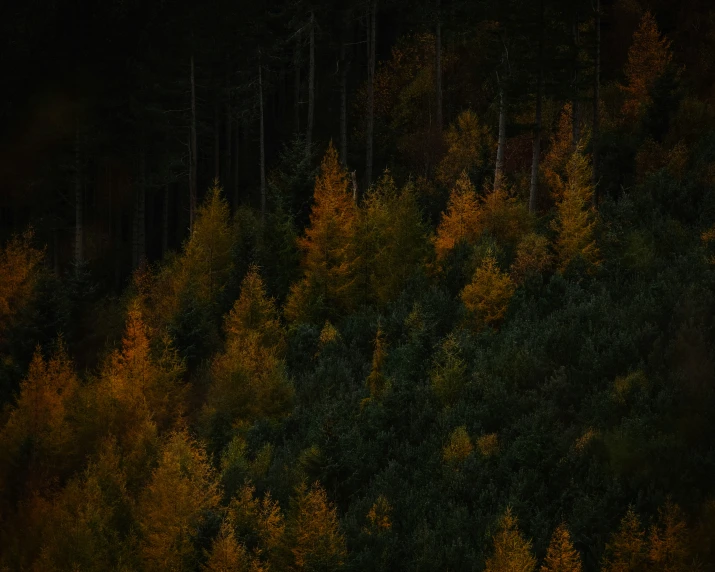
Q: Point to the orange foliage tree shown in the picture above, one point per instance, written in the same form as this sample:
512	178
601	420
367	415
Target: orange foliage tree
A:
512	552
469	146
327	284
461	222
648	58
487	296
561	555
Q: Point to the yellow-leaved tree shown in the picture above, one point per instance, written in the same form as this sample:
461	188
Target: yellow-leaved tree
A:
461	222
575	220
228	555
648	58
313	531
376	382
389	245
561	555
177	500
469	147
249	379
327	283
487	296
512	552
626	550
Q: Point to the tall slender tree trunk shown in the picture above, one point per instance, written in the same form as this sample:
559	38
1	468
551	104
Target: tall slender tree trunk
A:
344	92
262	140
217	142
236	163
499	171
78	203
311	90
165	221
139	230
296	85
576	101
227	180
370	112
438	66
192	152
536	154
596	102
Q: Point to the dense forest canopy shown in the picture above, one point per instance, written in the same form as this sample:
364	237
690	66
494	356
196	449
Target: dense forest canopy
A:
361	285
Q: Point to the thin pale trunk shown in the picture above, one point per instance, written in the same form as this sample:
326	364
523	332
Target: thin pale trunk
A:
262	142
576	103
311	90
165	221
596	101
536	154
237	145
296	85
192	152
499	171
438	66
371	37
78	204
138	234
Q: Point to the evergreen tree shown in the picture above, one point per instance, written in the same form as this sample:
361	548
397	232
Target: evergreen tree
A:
561	555
511	553
461	222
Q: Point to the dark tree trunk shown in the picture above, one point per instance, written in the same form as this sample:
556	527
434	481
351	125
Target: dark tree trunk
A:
262	141
499	171
576	101
596	101
236	163
192	152
536	154
438	66
370	112
165	221
344	93
217	142
311	90
78	203
139	227
296	85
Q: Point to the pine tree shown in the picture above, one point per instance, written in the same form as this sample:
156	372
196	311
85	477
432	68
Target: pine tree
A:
648	58
626	551
575	217
487	296
314	532
668	541
227	555
462	219
469	145
511	553
561	555
327	282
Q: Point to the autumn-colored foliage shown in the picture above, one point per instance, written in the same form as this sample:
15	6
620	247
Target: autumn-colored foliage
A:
648	58
327	264
626	551
511	552
561	555
376	382
379	516
575	217
462	219
487	296
459	446
469	147
532	257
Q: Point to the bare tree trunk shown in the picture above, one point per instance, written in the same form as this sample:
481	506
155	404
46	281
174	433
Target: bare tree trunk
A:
165	221
576	103
344	93
139	230
536	154
438	66
192	152
371	37
596	102
499	171
311	90
263	141
296	85
78	204
237	145
229	125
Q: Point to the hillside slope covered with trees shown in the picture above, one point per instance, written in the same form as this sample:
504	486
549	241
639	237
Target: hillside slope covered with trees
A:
364	285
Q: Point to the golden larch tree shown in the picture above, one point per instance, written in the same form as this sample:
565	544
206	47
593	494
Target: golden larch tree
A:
328	269
648	58
575	220
626	550
512	552
561	555
177	500
487	296
316	541
376	382
228	555
469	146
462	219
669	541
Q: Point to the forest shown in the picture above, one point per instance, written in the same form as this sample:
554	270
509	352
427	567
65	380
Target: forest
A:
309	285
